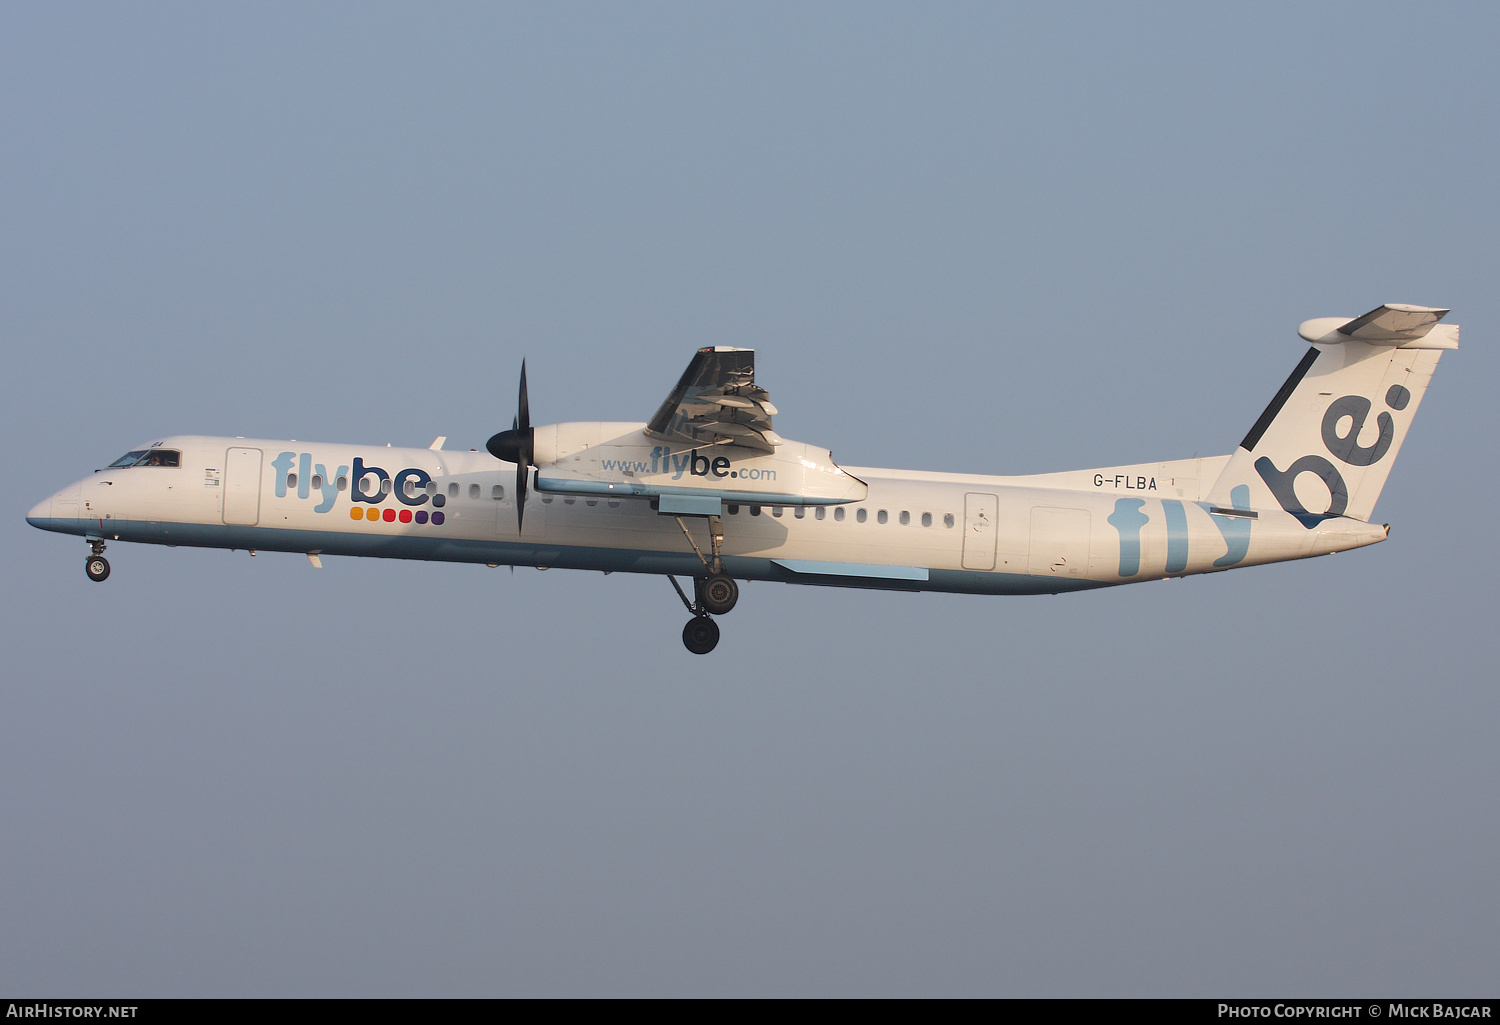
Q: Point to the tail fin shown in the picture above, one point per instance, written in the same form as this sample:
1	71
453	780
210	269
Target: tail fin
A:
1328	439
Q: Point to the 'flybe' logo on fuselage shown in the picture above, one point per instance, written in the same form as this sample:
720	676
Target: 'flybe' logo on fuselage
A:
663	461
367	484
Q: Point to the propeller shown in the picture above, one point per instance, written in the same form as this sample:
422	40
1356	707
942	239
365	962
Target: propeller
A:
517	445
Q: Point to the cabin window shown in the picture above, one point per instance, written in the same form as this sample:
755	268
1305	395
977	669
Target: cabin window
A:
927	519
613	503
905	518
862	515
342	483
546	499
453	490
838	514
317	482
291	482
881	516
800	511
409	488
569	500
497	492
431	488
385	486
590	502
819	513
776	510
474	492
148	457
947	519
755	510
734	510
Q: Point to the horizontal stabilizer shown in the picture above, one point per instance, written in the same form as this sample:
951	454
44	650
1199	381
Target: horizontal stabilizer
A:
1399	324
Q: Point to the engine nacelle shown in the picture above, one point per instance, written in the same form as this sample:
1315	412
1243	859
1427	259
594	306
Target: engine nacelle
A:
621	459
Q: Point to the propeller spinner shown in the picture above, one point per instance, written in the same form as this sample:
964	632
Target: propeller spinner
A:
517	445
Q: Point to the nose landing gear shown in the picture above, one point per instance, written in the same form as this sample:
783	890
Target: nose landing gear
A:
96	565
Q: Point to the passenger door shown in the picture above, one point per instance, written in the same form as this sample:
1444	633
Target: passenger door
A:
242	487
980	512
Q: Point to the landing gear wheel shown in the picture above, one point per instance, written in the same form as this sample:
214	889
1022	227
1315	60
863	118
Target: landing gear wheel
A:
97	567
718	594
701	635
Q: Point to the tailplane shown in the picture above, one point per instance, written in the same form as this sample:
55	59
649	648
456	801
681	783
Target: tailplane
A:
1326	443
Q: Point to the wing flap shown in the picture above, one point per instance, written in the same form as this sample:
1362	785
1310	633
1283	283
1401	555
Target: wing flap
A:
717	402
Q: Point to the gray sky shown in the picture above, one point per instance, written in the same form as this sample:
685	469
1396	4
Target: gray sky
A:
968	238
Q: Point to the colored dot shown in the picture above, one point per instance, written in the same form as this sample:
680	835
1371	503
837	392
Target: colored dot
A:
390	516
732	473
405	515
437	519
356	513
372	513
421	515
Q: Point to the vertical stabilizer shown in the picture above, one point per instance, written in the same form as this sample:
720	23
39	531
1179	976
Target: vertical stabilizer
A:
1326	443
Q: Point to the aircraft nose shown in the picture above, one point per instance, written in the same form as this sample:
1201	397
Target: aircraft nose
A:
48	513
40	512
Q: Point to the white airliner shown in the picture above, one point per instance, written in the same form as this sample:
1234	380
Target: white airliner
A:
707	489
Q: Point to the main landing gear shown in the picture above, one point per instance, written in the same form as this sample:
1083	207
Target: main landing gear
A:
96	565
701	635
714	593
717	594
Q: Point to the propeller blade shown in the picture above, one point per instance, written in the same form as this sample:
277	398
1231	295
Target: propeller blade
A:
517	445
523	406
523	477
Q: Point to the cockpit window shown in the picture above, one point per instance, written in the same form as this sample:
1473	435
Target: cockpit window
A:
148	457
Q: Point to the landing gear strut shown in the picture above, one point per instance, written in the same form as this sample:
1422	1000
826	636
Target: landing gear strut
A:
96	565
715	593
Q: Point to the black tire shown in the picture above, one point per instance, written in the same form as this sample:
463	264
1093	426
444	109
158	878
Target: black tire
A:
97	567
701	635
719	594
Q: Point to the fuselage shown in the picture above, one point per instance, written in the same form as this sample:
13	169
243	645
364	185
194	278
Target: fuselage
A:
910	531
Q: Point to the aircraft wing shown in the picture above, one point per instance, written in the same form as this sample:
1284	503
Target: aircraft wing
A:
717	402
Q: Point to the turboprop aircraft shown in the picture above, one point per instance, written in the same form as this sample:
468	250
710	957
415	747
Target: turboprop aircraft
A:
707	490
